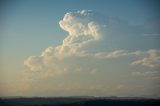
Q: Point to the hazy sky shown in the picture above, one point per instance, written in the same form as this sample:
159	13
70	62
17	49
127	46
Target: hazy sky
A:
79	48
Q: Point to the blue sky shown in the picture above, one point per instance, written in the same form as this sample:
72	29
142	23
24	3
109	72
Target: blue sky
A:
33	17
29	27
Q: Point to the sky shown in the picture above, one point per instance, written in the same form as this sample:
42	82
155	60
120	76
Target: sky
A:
80	48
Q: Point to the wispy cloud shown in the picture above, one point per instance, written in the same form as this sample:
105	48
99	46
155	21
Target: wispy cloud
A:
148	74
113	54
151	58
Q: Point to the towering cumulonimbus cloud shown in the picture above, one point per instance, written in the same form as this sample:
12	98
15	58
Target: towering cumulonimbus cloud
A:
83	27
91	34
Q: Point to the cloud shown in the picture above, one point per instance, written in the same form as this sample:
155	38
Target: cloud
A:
34	63
83	29
148	74
113	54
80	23
151	59
45	65
90	35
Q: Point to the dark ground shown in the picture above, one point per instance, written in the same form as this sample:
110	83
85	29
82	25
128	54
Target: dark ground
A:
79	101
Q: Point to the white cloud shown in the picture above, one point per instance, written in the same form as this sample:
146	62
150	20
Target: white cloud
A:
151	59
113	54
34	63
83	29
45	65
148	74
88	34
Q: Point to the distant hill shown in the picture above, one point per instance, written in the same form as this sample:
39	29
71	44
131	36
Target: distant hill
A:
79	101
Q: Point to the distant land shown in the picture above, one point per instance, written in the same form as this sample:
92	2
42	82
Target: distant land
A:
79	101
